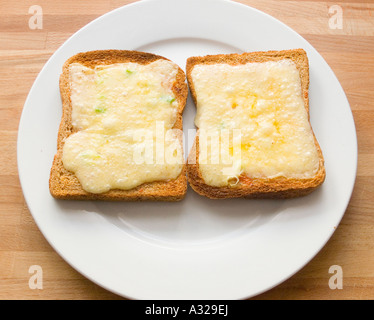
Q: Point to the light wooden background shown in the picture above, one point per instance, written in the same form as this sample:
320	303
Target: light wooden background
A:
23	52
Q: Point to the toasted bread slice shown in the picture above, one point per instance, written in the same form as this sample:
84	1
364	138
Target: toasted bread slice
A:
64	184
260	186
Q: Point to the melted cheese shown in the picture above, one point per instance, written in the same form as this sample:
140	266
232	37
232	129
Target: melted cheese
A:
124	113
261	109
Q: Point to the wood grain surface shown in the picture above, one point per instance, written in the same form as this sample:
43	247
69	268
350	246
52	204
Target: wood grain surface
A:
23	52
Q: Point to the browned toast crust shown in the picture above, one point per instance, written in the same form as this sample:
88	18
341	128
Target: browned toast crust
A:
279	187
63	184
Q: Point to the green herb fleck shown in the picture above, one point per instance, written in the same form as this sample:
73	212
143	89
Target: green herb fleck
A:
100	109
168	99
99	81
89	157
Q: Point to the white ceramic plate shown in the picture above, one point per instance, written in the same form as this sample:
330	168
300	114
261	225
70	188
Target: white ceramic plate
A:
197	248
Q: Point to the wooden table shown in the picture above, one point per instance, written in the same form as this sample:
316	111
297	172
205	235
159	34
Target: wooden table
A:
23	52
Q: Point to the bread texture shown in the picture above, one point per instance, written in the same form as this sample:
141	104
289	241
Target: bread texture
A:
63	184
279	187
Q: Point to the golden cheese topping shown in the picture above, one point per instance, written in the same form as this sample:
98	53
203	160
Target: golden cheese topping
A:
254	116
124	113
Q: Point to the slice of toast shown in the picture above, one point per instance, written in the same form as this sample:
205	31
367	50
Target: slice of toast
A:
64	184
255	186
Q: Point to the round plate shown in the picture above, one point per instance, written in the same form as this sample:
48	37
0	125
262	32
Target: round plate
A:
197	248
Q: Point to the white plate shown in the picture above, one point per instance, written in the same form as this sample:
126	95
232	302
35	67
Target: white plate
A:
197	248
